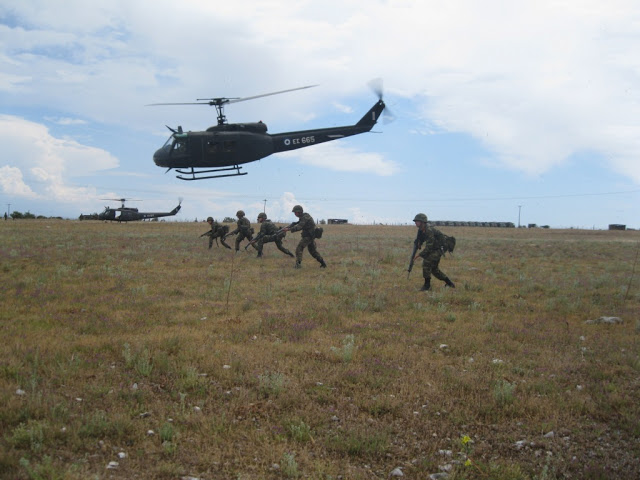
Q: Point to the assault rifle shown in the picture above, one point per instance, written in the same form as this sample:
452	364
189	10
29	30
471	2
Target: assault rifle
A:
416	247
283	228
252	242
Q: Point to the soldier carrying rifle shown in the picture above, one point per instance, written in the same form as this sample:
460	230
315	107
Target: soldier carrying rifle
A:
435	246
217	231
309	235
268	233
243	229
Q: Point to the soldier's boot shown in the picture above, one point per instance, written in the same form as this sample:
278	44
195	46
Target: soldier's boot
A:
322	264
297	265
427	285
449	283
259	254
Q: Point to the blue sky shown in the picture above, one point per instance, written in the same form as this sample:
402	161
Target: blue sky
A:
500	108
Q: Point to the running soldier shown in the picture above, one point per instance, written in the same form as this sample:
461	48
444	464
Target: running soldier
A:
308	227
268	233
243	229
217	231
430	255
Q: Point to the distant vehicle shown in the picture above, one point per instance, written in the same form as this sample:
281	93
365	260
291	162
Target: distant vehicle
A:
130	214
225	146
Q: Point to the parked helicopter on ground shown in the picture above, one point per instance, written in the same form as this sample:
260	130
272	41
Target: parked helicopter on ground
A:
130	214
225	146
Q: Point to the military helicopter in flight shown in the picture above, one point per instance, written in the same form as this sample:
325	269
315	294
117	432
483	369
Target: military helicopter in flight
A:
225	146
130	214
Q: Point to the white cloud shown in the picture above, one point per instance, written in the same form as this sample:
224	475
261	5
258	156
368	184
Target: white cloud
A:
342	158
39	164
12	183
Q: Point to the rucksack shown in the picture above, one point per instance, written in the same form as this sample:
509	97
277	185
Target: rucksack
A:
317	233
445	243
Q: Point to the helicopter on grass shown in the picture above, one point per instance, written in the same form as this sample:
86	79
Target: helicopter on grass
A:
225	146
130	214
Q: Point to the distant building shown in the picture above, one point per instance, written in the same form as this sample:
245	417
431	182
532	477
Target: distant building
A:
336	221
617	226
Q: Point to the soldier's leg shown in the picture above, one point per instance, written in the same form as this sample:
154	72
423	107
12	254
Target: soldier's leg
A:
210	241
299	249
221	235
281	247
239	238
314	253
439	274
426	273
224	243
259	245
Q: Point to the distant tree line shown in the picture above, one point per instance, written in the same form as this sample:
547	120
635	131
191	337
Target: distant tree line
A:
15	215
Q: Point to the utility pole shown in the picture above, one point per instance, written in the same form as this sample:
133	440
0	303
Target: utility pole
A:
265	206
519	208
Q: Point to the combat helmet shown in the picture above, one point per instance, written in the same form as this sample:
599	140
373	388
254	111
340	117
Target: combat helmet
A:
240	213
420	217
209	219
297	208
262	215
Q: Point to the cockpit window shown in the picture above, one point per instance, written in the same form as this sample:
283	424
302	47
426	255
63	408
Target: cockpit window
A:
179	145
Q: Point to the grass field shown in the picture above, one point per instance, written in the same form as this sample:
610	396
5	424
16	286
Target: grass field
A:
132	351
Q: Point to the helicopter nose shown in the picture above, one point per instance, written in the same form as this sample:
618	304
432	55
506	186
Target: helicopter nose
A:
161	157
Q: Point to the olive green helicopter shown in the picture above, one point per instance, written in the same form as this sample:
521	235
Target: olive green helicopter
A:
224	147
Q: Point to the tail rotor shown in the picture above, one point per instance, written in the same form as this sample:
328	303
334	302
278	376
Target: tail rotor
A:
377	86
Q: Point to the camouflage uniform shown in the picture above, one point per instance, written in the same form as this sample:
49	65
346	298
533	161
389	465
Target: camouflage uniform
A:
267	234
217	231
243	229
430	255
307	225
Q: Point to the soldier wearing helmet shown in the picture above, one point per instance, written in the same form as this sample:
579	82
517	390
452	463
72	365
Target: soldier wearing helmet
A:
431	253
307	225
268	233
217	231
243	229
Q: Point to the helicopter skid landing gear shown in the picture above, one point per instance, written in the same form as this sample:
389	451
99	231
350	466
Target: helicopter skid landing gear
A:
195	175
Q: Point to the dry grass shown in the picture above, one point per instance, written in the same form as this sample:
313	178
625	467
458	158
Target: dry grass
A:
246	368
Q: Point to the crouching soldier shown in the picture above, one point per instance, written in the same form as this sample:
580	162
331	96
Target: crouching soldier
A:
307	225
268	233
243	229
217	231
431	254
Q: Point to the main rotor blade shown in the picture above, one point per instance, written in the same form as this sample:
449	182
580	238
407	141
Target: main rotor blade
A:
187	103
236	100
223	100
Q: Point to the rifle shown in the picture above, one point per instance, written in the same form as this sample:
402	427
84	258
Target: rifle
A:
251	242
283	228
224	237
416	247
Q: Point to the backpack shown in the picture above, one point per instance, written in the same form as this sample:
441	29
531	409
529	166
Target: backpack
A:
317	233
444	243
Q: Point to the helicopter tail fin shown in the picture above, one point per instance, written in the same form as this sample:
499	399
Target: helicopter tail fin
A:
371	117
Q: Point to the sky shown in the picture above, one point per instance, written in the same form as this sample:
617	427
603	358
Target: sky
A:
520	111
